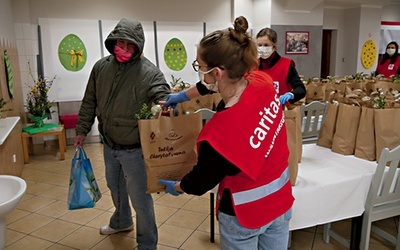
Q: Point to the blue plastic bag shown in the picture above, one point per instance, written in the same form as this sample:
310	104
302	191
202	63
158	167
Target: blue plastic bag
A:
83	190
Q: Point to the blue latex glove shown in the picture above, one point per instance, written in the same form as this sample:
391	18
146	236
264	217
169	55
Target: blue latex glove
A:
174	99
170	186
286	97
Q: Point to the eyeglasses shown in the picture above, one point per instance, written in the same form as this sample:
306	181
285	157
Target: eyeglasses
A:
196	66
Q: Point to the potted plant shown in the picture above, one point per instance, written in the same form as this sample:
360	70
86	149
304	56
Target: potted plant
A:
37	101
178	85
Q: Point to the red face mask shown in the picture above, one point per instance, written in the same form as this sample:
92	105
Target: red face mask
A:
122	55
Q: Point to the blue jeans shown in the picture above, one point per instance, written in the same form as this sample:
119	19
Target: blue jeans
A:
126	178
273	236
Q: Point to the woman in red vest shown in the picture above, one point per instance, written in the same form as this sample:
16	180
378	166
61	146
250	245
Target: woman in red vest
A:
243	147
282	70
389	64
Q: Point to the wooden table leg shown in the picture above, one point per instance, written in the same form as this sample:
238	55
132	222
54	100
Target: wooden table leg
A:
62	144
25	148
65	136
31	146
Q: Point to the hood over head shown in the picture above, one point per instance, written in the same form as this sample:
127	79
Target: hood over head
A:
126	29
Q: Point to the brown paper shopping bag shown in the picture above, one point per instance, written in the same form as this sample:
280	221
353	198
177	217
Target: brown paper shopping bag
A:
355	85
169	147
387	129
344	139
315	91
365	140
293	130
334	86
328	127
205	101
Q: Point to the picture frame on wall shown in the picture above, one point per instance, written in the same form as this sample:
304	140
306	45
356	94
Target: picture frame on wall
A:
297	42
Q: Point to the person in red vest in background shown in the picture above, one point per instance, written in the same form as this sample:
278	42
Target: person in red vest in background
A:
282	70
389	64
243	147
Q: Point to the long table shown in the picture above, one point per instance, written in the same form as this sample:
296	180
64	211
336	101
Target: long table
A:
329	187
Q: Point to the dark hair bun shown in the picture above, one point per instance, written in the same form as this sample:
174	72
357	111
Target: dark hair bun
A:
239	32
241	25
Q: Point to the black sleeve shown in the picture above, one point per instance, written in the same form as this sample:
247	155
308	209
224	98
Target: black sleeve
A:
203	90
299	90
211	168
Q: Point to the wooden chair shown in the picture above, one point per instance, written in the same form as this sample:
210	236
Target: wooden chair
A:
383	201
313	115
206	115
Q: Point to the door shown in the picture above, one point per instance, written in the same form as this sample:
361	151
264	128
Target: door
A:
326	53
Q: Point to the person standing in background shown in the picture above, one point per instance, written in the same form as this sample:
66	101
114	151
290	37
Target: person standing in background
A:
118	86
389	64
243	147
282	70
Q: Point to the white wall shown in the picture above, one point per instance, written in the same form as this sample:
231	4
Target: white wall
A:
369	30
27	13
6	22
220	14
334	20
148	10
352	28
391	13
355	26
350	40
280	16
243	8
262	14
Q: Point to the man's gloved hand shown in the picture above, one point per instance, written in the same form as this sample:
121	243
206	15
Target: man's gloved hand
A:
170	186
286	97
174	99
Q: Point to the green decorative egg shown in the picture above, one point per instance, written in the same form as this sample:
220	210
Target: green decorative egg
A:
72	53
175	55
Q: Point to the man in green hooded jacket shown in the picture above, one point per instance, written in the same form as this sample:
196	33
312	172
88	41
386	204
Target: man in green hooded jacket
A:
118	86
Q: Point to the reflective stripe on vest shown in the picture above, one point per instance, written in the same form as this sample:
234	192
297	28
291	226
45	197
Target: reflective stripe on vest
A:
261	192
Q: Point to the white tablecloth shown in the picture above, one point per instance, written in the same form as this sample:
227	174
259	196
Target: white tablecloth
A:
329	187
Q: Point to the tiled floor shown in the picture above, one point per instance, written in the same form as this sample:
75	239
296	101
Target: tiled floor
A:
42	220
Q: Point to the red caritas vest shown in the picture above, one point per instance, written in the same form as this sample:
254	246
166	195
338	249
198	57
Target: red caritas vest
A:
388	68
252	135
279	73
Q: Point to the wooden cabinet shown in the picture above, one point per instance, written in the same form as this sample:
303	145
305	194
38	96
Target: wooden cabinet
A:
11	154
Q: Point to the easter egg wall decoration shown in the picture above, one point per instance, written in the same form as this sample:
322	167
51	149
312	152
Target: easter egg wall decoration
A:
72	53
175	55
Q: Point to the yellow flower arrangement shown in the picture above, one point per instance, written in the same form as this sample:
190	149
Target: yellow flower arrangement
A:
37	101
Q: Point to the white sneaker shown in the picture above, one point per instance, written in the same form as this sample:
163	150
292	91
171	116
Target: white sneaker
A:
105	230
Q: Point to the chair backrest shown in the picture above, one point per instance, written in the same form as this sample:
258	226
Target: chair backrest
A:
206	114
385	185
312	117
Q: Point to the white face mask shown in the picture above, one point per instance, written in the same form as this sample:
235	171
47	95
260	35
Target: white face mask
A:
264	51
212	87
391	51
